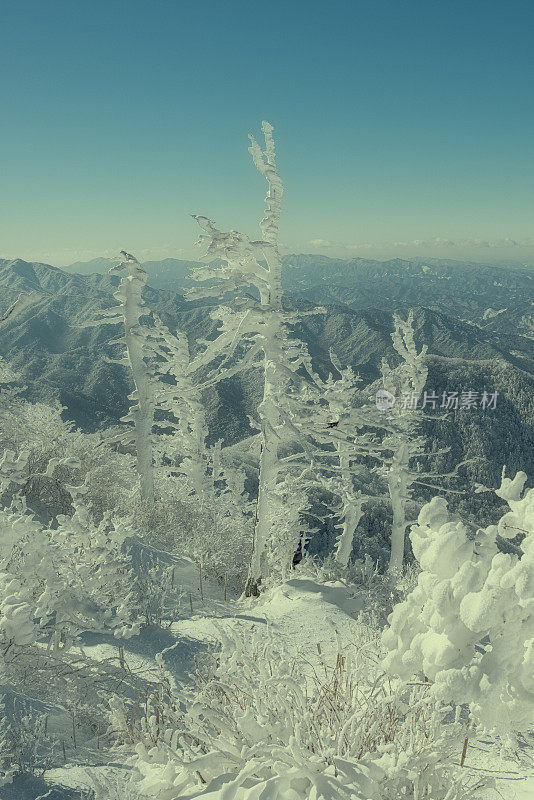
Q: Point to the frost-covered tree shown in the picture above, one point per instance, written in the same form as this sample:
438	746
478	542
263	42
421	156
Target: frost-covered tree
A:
141	414
468	626
212	486
327	416
405	451
407	381
263	330
164	387
184	430
342	427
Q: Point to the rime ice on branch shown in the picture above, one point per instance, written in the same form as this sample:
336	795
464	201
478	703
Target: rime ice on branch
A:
141	414
262	327
404	442
404	449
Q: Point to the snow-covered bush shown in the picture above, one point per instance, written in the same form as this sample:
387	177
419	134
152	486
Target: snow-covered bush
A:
57	582
154	593
17	626
93	587
22	554
7	767
25	747
377	591
110	785
262	724
38	433
200	530
12	470
468	626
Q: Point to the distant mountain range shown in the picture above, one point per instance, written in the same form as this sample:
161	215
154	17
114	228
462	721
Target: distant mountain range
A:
463	289
169	273
477	322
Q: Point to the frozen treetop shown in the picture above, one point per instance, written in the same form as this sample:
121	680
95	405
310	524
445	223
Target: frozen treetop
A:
266	164
242	254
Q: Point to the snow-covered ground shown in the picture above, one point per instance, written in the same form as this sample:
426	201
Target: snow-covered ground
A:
512	780
309	617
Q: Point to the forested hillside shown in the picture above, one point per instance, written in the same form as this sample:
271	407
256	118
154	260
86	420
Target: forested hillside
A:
59	358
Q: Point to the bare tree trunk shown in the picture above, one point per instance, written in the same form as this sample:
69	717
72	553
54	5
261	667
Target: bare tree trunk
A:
397	487
268	473
129	294
352	509
271	301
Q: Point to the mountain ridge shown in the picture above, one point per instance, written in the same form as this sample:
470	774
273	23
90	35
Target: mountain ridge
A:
60	359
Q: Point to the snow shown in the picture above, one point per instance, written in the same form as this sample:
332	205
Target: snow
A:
303	613
126	673
513	781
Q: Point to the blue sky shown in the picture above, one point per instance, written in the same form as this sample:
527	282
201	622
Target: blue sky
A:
402	127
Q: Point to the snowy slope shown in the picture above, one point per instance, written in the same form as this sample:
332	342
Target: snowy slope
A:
307	615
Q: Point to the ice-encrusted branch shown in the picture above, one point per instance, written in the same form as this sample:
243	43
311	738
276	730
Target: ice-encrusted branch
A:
265	162
242	254
141	413
258	336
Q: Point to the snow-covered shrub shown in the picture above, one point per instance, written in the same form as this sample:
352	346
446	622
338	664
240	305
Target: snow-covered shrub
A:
7	767
264	725
201	530
468	626
22	554
17	627
25	747
12	470
38	433
361	572
92	586
378	591
55	584
110	785
154	592
60	581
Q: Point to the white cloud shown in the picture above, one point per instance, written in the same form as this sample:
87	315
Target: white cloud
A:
323	243
437	242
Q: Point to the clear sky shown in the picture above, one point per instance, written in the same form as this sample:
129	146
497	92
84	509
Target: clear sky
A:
401	126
